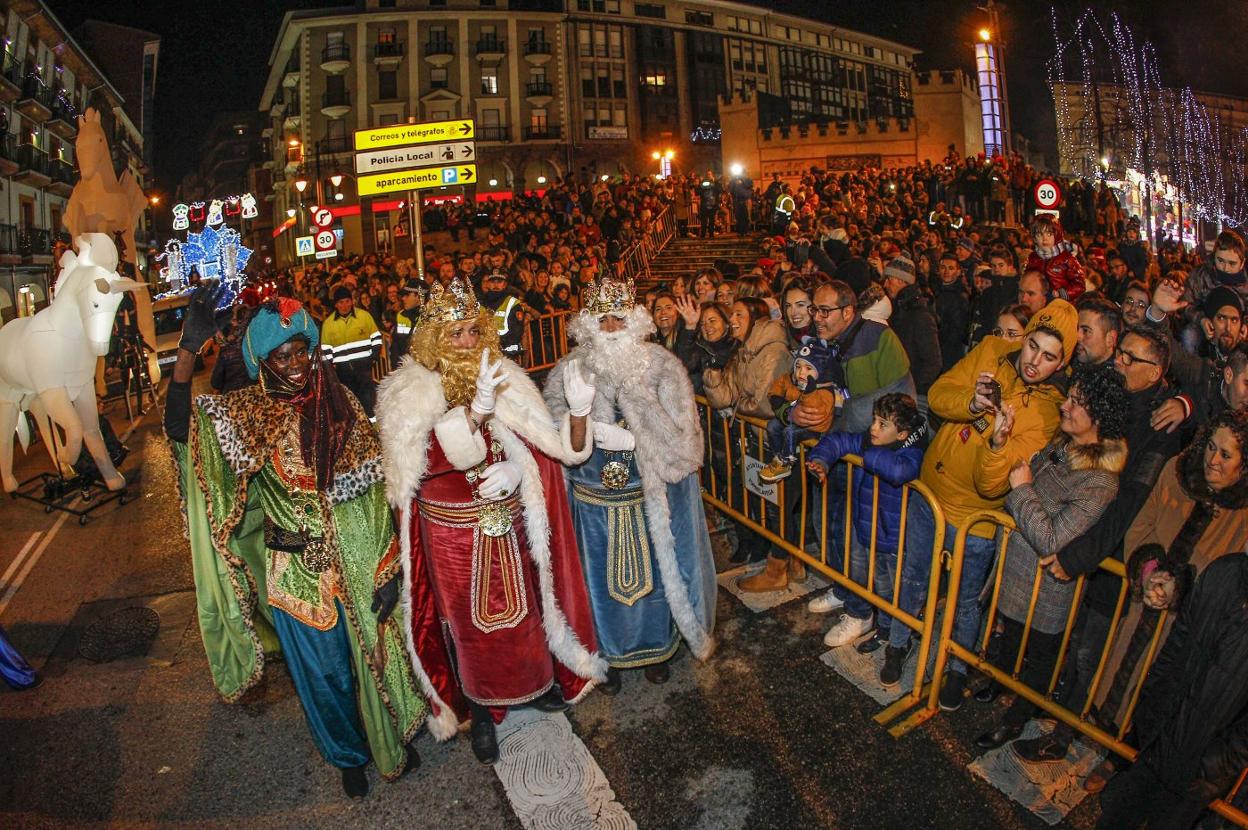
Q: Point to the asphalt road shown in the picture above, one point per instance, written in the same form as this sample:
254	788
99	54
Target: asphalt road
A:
764	735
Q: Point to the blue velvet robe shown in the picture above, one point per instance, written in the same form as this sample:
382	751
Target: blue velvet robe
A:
631	612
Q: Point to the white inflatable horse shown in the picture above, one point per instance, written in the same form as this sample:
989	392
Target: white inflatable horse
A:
47	362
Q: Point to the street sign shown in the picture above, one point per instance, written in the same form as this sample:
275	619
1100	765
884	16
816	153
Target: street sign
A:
1048	194
304	246
421	155
400	135
325	241
421	179
332	252
322	217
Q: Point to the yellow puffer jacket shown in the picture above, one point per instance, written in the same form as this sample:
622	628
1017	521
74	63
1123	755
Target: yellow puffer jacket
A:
960	466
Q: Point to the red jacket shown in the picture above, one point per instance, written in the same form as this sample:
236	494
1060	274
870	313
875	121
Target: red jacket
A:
1063	271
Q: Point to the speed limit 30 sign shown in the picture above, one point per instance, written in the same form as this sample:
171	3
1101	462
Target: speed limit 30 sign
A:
1048	194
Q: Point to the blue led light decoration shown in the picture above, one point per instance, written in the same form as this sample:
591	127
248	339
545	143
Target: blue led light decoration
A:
214	253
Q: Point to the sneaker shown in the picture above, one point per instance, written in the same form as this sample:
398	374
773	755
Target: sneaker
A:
825	604
894	661
847	630
873	643
776	470
952	692
1042	750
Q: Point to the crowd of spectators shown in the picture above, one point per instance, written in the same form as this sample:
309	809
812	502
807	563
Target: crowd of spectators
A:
1063	370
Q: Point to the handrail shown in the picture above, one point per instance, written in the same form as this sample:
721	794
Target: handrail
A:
635	261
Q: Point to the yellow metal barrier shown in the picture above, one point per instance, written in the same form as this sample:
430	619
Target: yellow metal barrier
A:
545	340
730	441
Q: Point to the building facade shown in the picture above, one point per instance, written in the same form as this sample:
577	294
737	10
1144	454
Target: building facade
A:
556	88
763	134
47	80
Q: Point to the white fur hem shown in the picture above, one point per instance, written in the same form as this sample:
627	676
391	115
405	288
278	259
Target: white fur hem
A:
441	721
463	447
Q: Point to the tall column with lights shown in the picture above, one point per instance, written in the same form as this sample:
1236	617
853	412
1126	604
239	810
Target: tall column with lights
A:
990	69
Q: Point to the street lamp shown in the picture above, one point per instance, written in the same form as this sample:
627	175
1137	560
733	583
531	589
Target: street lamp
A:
290	213
985	35
736	168
154	199
336	179
301	185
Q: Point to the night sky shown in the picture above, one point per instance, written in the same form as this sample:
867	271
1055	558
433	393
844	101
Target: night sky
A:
214	54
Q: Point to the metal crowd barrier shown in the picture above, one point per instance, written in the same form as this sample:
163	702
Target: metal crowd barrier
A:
734	490
545	340
735	450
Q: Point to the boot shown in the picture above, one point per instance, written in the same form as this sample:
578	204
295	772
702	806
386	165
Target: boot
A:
797	570
774	577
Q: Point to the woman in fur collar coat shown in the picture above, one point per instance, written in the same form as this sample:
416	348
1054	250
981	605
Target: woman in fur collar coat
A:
1062	493
486	538
637	501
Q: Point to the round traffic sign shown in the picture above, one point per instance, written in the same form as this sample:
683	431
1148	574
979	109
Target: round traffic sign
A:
1048	194
323	218
325	240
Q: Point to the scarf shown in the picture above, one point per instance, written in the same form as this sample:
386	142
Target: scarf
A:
325	415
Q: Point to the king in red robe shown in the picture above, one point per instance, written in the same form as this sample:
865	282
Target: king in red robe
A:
492	577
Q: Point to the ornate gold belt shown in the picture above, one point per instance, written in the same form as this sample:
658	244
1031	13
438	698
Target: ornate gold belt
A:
494	518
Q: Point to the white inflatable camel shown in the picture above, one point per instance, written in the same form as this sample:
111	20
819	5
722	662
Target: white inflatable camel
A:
47	362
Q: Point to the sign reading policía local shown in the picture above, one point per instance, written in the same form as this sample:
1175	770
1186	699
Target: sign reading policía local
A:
400	135
422	179
421	155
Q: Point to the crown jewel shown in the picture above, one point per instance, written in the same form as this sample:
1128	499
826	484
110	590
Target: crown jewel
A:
451	304
610	297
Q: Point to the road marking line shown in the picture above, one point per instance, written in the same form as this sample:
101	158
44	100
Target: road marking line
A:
550	777
17	562
30	563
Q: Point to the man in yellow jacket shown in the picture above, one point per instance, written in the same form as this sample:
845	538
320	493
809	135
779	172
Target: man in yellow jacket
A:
999	406
351	340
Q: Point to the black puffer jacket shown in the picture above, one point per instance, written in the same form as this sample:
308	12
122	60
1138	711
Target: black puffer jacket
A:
1192	719
915	325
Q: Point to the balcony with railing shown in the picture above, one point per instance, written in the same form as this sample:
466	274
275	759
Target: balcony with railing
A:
63	177
538	49
34	244
336	58
8	154
293	70
490	49
539	92
10	78
493	132
542	132
64	121
330	146
335	103
439	52
32	166
35	102
387	51
8	245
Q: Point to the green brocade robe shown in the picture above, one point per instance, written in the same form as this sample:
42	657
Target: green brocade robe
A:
237	577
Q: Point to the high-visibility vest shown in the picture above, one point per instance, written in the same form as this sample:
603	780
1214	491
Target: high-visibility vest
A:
782	207
350	338
502	322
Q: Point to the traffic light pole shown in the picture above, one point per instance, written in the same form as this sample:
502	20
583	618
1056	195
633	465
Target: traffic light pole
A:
413	219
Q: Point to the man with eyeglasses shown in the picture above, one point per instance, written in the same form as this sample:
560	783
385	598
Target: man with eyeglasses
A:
1208	385
1142	358
1134	303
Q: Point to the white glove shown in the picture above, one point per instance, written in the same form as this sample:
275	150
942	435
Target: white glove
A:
500	480
613	438
577	389
489	376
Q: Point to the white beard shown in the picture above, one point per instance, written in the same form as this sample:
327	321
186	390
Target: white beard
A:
616	357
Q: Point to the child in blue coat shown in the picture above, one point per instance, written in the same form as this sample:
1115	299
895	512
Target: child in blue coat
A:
892	451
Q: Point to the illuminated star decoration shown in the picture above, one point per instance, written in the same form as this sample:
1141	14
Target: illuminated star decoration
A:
213	254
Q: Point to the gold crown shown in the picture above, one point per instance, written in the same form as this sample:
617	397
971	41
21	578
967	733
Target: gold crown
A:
451	304
610	297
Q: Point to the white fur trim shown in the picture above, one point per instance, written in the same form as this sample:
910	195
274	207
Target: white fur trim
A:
560	637
464	447
441	720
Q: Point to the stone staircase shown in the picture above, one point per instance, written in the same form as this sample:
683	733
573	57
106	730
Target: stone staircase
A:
688	256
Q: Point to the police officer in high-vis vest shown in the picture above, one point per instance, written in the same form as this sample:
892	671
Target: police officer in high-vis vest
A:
351	340
508	313
413	297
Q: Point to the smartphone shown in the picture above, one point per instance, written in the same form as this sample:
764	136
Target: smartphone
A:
994	393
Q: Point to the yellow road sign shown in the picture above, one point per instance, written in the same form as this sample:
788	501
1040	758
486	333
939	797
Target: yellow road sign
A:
421	179
398	135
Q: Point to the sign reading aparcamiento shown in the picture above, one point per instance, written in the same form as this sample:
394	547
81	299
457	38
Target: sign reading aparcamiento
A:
398	135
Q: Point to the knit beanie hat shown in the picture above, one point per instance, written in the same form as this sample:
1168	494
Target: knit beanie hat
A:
273	325
1060	316
967	243
1221	297
900	267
